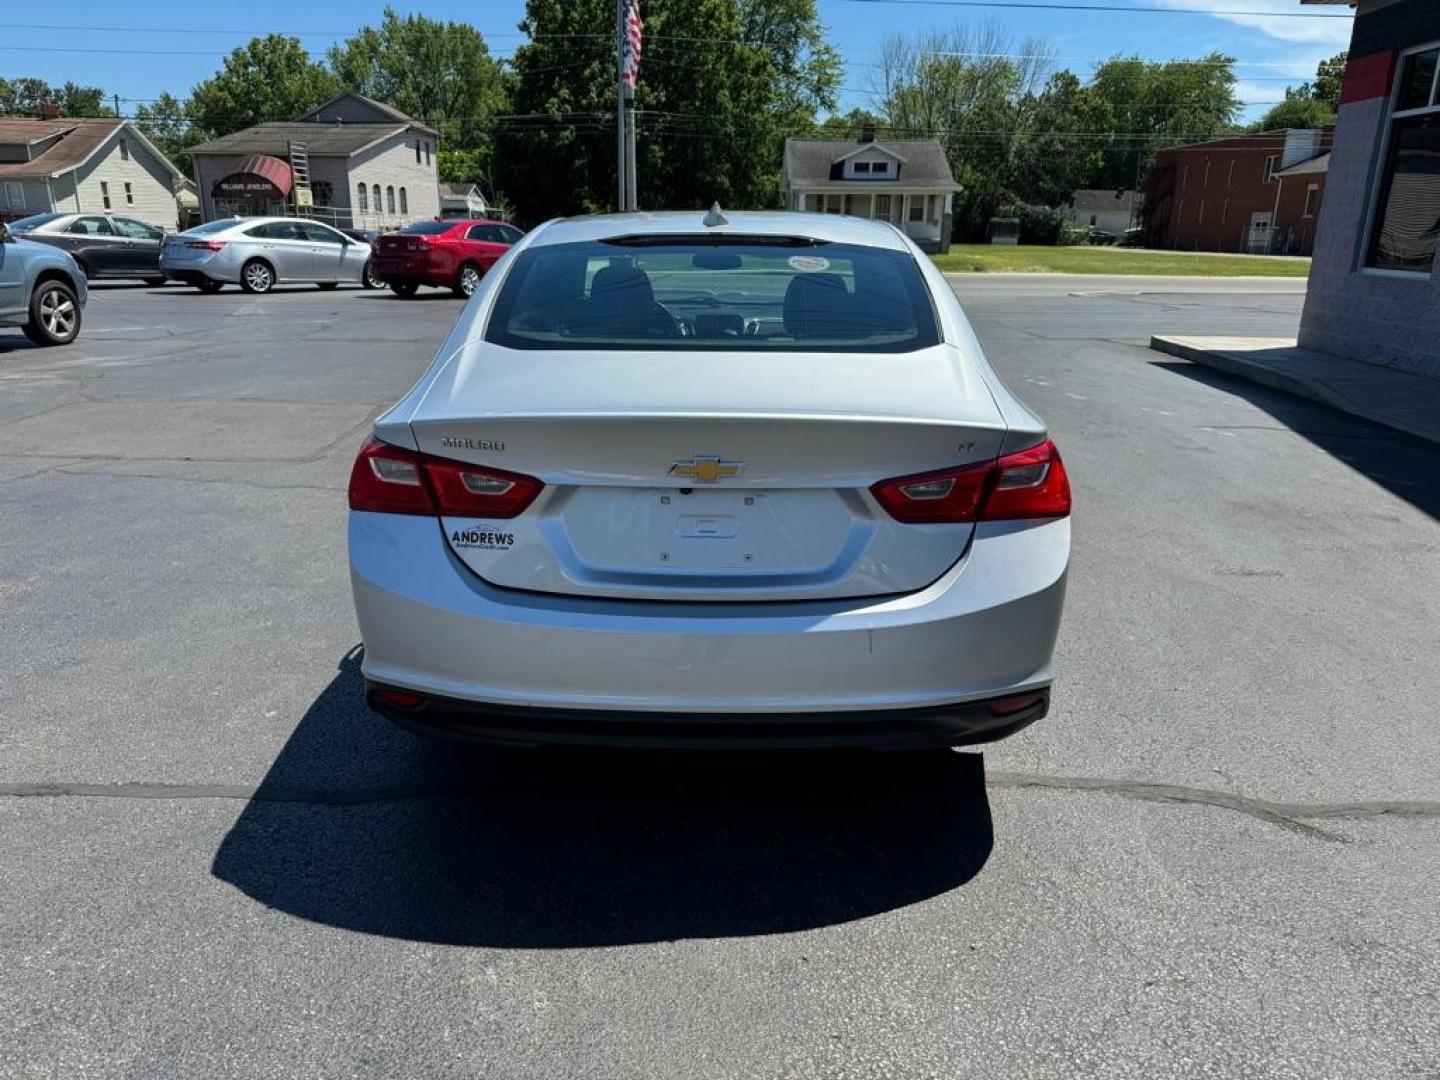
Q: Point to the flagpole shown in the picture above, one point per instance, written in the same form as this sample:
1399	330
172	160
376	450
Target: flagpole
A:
621	143
631	188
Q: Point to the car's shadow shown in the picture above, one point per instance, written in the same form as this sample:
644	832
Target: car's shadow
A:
360	826
424	294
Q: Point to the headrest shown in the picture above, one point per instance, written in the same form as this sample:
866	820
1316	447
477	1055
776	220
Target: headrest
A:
817	305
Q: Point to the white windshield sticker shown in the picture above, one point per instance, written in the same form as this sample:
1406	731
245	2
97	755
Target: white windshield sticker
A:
809	263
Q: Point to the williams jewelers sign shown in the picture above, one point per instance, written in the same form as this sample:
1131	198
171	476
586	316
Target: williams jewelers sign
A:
245	186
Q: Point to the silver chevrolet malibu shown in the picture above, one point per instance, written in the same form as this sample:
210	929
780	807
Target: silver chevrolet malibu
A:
731	480
259	253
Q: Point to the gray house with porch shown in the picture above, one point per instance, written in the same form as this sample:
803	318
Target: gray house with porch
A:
906	182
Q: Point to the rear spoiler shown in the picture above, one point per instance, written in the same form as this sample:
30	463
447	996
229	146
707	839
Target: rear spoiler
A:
713	240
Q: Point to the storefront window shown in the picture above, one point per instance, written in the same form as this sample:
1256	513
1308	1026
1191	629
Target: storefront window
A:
1407	214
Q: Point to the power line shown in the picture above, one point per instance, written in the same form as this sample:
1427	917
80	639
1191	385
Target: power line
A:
1121	59
1044	6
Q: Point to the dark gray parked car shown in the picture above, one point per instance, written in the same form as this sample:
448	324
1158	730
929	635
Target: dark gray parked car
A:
42	291
104	245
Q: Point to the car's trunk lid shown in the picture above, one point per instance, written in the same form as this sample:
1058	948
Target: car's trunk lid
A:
708	476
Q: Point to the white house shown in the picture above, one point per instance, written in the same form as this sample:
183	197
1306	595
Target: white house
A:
462	201
907	182
1105	209
363	163
85	166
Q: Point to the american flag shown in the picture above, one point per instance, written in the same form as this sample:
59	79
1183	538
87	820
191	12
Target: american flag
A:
630	44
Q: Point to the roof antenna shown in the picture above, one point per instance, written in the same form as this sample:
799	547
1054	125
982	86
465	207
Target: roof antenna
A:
715	217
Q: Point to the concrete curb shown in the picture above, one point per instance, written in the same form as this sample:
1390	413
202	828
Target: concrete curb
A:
1385	396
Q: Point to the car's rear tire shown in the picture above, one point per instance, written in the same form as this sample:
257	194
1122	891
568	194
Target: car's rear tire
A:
369	279
467	280
257	276
403	288
208	286
54	314
328	285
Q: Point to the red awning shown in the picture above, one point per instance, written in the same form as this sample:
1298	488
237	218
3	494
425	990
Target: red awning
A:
273	169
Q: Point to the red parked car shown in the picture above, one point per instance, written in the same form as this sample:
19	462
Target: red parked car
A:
447	254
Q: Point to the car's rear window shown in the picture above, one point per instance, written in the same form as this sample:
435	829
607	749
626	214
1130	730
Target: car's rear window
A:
34	221
428	228
707	293
212	227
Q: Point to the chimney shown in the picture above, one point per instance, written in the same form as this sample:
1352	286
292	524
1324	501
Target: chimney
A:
867	133
49	110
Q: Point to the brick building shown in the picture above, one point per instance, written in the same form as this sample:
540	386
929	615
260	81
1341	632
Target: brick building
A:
1256	193
1374	291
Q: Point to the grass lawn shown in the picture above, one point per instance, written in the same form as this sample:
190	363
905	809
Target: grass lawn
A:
1032	259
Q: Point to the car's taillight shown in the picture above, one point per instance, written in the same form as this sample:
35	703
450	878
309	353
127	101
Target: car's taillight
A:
205	245
1027	484
470	491
392	480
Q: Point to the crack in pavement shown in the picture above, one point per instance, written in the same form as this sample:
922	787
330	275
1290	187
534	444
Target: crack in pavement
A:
1291	816
256	484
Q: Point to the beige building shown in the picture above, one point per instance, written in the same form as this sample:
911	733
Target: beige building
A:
85	166
906	182
353	162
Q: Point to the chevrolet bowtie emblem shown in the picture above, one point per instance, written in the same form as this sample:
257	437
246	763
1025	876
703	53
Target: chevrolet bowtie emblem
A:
706	470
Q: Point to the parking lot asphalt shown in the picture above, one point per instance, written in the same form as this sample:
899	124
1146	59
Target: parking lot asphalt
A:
1216	857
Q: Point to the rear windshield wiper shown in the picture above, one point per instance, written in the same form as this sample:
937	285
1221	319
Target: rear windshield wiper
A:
712	240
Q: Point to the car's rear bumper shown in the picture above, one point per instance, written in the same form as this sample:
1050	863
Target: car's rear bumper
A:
190	277
947	725
985	629
413	271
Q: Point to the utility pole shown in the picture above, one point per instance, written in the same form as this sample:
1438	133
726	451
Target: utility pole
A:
117	104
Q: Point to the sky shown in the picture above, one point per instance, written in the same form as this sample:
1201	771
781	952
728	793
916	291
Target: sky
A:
142	48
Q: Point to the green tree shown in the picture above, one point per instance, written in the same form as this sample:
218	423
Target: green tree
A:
975	90
804	69
271	78
26	96
1309	105
166	122
1329	74
721	84
23	96
1158	104
849	125
1061	152
462	166
1298	110
439	72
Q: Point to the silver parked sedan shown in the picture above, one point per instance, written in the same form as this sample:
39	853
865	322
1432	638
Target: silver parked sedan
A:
259	253
675	480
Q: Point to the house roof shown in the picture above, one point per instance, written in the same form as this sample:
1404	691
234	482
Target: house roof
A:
1251	139
1308	167
459	191
1098	200
322	140
80	139
378	106
820	161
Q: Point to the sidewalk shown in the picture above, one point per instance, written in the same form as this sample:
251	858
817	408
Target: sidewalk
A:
1397	399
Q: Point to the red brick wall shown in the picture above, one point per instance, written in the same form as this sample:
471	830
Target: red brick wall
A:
1231	190
1297	230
